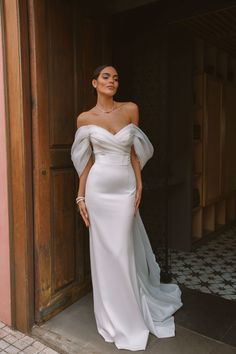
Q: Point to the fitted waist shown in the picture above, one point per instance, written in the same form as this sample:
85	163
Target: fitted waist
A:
112	158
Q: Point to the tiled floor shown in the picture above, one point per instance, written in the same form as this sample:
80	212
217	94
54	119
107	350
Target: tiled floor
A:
15	342
211	268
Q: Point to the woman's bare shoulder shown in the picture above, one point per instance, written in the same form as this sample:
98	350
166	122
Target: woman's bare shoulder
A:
129	105
133	112
83	118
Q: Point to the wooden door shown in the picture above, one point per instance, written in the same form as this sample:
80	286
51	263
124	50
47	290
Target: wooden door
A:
65	47
228	158
212	141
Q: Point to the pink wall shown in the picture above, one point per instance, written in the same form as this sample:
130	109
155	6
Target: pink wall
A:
5	286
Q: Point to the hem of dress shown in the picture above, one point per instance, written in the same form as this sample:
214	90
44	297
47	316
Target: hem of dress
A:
122	346
127	348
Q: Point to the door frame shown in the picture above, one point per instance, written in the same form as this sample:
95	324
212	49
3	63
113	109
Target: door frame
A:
20	160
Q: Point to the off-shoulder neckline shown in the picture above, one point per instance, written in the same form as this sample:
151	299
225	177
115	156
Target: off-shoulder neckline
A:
99	126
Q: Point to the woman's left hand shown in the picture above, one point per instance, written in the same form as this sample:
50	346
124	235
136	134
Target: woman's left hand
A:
137	199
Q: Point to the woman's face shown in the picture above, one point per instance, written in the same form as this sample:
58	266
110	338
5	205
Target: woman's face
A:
107	81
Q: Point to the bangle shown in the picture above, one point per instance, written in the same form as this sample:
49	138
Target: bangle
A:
79	199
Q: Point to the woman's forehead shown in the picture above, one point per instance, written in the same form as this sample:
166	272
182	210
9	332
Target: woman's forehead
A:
109	70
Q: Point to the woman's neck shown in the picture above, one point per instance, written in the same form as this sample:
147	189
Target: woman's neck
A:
105	102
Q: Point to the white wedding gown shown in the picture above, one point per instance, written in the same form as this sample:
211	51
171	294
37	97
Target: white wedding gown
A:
129	300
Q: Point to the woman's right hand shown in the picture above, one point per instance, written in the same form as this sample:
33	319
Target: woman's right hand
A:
83	212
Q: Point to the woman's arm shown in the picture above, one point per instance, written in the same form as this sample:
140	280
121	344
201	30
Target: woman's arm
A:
134	111
83	179
137	171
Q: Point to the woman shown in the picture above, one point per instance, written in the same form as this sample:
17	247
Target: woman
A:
109	152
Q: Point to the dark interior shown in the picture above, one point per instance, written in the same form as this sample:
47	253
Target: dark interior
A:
152	47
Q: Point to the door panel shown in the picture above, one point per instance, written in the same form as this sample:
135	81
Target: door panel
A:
61	71
228	159
63	231
62	58
213	141
94	50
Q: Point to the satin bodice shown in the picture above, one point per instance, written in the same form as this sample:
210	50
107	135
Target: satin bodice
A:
108	147
104	141
111	148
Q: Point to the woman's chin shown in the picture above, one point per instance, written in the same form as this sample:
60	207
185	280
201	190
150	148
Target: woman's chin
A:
110	93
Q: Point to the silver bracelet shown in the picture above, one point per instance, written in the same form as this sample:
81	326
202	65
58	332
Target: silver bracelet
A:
79	199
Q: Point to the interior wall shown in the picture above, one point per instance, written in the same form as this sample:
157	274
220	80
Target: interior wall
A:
123	5
155	66
139	53
180	137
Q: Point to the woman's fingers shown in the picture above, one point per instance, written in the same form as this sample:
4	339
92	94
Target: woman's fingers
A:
84	213
86	221
137	201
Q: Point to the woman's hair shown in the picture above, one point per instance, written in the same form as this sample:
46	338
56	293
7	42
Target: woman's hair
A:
97	72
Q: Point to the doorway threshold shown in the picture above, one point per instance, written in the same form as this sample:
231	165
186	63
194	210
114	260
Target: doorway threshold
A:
74	331
69	331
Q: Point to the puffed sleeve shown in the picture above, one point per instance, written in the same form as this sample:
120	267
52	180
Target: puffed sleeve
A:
81	149
142	146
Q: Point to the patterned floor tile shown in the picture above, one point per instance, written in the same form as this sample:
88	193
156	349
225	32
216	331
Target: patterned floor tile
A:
211	268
